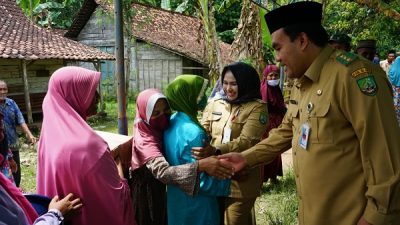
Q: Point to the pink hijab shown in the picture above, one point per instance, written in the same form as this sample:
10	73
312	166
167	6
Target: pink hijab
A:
147	141
18	197
73	158
264	84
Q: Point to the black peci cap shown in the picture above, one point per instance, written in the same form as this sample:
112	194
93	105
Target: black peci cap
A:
369	43
340	38
299	12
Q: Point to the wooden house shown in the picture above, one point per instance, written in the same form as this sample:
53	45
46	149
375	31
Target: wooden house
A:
168	43
30	54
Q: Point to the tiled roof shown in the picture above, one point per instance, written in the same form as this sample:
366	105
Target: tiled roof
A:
173	31
169	30
21	39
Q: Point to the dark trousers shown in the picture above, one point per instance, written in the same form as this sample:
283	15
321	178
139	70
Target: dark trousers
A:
17	175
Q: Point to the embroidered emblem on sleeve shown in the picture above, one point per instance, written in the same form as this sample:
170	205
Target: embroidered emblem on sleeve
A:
367	85
360	72
346	58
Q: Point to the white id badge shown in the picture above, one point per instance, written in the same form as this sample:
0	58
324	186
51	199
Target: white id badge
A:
305	133
227	135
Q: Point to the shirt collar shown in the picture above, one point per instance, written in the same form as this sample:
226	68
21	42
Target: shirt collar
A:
6	102
313	72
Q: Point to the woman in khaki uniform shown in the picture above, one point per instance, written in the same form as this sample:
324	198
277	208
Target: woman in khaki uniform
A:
236	122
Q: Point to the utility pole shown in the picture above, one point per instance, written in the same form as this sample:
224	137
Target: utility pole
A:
120	69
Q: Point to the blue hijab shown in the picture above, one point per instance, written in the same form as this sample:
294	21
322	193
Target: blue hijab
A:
394	73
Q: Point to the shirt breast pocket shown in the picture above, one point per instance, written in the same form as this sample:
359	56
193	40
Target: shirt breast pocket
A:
293	115
320	130
215	122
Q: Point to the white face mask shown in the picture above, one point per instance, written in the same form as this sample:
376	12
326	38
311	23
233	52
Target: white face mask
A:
273	83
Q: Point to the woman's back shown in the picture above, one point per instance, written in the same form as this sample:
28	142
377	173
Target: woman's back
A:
183	209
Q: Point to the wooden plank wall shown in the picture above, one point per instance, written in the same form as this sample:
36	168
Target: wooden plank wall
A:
157	66
11	72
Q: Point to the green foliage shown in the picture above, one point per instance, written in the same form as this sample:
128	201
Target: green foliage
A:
227	18
363	23
51	13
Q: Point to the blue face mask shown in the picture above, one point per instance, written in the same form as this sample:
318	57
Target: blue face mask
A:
203	102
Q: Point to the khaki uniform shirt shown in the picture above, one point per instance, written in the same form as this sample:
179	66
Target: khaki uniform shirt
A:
351	166
248	122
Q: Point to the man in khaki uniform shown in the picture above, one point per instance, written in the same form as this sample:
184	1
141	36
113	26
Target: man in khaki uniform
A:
340	124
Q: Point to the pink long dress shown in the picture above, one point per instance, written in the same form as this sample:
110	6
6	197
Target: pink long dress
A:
73	158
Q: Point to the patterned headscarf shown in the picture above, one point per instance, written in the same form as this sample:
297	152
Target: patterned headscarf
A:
185	92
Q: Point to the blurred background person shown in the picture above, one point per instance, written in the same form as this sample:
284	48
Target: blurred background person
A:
366	49
390	57
13	118
272	95
340	41
394	79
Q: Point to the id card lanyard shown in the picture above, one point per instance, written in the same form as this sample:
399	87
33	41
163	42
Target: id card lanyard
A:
306	128
228	129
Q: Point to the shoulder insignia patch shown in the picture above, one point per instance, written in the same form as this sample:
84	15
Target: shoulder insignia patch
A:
360	72
346	58
263	118
367	85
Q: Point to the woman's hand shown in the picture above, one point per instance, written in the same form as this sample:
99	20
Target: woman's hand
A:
203	152
68	205
217	168
124	153
13	165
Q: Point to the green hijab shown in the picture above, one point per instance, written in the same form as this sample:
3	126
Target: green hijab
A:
185	92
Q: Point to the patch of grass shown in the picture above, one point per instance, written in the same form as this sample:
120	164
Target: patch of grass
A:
108	120
278	204
28	159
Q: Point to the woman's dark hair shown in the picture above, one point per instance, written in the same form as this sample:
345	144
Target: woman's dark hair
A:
247	80
315	32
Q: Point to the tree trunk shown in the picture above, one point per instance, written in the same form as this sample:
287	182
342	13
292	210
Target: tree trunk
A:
248	40
211	42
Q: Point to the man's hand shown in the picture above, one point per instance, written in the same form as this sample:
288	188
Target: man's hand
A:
236	159
217	168
32	139
362	221
67	205
202	152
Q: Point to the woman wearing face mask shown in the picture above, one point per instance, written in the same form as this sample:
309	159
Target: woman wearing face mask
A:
150	170
236	122
186	94
271	94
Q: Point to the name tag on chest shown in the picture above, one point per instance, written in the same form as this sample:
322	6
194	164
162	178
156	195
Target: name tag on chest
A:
304	135
227	135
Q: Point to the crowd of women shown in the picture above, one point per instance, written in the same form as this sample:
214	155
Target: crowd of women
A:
175	175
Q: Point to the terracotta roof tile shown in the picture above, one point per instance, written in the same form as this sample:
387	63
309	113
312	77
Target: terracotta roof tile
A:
169	30
21	39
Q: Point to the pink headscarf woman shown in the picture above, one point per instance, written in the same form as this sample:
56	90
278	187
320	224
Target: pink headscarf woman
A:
73	158
148	134
272	95
150	170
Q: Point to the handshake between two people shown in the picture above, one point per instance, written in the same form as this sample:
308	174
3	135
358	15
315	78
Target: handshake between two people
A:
223	166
